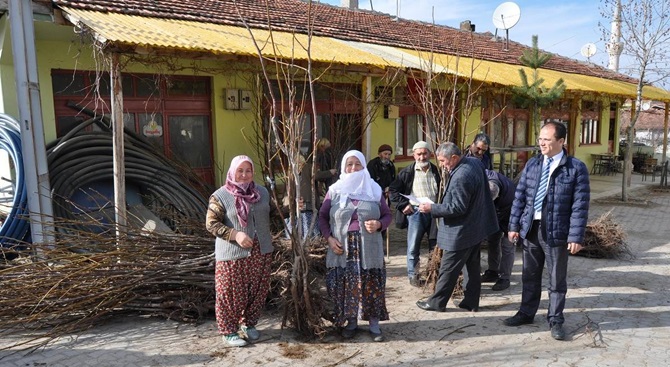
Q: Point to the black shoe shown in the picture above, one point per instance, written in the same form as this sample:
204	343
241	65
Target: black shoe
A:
518	319
416	282
557	332
348	333
466	307
489	276
426	306
501	284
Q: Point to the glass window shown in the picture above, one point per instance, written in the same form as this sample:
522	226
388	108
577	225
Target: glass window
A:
129	121
409	130
520	131
67	123
321	92
69	84
188	87
190	140
590	131
147	86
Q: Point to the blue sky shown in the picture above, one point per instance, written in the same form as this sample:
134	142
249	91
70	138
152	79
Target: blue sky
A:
562	26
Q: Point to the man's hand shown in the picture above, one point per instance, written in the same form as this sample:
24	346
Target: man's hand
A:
424	208
407	210
574	247
513	236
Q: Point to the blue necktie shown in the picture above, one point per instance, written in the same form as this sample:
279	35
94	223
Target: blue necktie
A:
542	188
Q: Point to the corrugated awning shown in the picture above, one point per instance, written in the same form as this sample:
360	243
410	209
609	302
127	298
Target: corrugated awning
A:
218	39
130	30
508	75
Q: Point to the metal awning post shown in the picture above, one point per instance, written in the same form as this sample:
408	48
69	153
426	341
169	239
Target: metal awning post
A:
117	141
665	132
33	146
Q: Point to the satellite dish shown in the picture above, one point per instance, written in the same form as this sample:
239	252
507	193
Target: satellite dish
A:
589	50
645	105
506	15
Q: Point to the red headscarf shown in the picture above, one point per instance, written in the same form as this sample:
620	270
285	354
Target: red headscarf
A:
245	193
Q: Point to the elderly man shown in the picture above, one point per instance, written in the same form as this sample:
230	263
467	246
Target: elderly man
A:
381	168
466	217
480	149
550	212
420	179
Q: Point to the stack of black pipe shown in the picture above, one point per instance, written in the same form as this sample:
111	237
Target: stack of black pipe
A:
81	158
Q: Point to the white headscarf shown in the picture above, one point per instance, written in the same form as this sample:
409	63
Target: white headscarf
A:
356	185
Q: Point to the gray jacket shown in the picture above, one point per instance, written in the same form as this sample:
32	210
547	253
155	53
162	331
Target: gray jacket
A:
258	225
372	246
467	214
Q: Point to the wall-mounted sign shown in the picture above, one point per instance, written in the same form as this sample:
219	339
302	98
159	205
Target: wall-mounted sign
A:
152	129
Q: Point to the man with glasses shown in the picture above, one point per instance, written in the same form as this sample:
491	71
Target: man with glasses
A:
549	213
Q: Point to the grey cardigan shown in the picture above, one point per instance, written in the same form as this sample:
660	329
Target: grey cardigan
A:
258	225
371	247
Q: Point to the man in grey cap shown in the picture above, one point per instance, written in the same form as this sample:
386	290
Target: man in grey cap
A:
420	179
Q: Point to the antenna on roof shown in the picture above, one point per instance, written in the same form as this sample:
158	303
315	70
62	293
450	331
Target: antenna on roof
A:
588	50
506	16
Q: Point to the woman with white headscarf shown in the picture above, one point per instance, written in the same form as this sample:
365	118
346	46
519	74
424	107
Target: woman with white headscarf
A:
239	216
351	218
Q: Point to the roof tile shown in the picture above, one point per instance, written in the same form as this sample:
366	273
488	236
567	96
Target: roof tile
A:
342	23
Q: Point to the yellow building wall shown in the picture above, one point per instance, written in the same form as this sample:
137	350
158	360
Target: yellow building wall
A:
584	152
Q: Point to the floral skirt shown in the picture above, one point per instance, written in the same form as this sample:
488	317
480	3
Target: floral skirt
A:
242	286
356	292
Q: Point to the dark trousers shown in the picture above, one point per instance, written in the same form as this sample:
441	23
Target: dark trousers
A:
536	252
450	268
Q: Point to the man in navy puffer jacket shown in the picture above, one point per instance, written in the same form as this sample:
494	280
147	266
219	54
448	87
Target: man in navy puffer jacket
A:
550	215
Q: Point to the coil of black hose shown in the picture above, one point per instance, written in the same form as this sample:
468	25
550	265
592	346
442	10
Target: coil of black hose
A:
81	158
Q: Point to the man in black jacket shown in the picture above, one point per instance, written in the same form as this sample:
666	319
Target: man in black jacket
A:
500	250
381	168
421	180
480	149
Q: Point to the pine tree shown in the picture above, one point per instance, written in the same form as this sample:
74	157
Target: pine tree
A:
534	95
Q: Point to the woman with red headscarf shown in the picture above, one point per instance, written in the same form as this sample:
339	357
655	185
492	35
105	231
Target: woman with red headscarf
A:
239	216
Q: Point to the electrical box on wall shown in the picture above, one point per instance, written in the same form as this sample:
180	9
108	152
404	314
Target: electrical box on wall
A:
232	101
391	112
245	99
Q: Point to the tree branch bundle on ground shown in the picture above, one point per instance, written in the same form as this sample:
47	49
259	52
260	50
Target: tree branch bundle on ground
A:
605	239
86	279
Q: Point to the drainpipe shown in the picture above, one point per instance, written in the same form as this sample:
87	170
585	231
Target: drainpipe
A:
33	146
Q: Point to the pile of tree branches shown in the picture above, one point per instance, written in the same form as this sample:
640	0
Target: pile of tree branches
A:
605	239
86	278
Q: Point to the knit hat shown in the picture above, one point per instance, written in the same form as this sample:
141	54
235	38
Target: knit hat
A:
421	145
384	147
